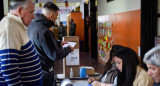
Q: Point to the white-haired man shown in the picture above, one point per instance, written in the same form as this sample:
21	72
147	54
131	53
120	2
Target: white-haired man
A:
152	59
47	47
19	62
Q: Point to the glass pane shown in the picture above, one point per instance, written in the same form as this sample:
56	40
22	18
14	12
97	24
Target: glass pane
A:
158	6
158	27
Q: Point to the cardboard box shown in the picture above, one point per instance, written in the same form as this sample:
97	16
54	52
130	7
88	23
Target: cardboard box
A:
89	70
72	61
75	71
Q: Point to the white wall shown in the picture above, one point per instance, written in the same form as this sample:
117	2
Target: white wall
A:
5	7
117	6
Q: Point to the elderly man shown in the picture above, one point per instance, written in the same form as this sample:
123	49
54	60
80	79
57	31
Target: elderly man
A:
19	63
47	47
152	59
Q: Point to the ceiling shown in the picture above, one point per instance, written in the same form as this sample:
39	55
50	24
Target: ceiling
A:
69	1
59	1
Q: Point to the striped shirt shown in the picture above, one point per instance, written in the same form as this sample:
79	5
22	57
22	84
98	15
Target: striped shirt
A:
19	62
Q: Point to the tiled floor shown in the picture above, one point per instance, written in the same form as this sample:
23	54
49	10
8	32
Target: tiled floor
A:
85	60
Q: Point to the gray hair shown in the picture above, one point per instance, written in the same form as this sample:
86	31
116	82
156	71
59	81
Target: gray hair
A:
153	56
16	3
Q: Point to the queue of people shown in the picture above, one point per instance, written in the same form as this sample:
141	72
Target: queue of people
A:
28	51
28	59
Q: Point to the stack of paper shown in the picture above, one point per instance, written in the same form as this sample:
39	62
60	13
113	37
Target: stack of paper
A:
72	44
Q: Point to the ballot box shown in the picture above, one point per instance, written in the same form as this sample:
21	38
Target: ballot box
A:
72	61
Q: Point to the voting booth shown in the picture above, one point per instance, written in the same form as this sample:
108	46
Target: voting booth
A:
73	58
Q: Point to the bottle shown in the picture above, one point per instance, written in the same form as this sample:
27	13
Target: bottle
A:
71	73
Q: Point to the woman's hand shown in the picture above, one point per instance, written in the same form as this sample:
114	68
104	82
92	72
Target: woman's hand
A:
91	79
97	83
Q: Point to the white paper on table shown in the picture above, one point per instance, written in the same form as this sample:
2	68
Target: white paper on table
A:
72	44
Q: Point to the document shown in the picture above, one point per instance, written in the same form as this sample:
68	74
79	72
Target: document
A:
72	44
73	58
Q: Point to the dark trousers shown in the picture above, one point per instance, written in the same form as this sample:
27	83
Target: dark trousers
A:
48	78
49	82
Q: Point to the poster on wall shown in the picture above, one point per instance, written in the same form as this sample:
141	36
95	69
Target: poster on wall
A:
104	37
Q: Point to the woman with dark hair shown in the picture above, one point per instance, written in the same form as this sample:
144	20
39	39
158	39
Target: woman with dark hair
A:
110	73
130	73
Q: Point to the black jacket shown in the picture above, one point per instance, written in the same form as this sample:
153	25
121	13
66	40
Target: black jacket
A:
45	43
72	29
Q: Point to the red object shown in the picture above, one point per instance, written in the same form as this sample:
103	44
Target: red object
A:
87	20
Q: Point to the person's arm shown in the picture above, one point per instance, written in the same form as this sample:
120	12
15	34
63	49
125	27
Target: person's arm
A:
9	54
59	43
97	83
145	81
9	67
50	47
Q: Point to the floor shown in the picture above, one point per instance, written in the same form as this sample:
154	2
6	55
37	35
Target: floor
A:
85	60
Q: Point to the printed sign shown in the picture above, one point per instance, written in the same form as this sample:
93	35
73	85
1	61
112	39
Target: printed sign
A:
73	58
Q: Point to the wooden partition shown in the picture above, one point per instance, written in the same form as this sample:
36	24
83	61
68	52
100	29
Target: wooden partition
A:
77	19
125	29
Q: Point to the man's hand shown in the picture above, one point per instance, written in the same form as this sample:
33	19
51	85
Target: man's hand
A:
63	42
71	48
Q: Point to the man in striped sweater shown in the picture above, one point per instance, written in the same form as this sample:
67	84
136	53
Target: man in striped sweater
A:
19	62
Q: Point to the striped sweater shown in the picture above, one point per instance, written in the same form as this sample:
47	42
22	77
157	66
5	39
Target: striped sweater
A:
19	62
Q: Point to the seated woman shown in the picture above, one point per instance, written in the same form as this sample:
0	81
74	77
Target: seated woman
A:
130	73
110	73
152	59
